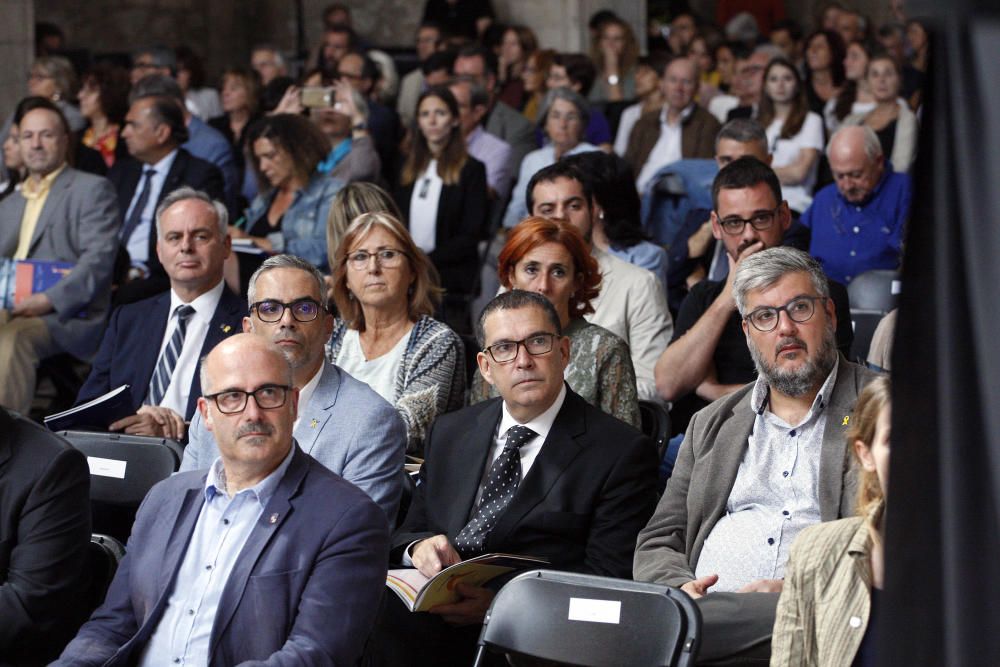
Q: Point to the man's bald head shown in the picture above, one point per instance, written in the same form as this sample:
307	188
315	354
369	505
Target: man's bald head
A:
856	161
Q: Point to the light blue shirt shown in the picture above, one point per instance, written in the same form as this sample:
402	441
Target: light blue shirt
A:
534	161
138	242
224	524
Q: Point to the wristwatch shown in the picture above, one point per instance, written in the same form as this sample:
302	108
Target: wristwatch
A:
613	80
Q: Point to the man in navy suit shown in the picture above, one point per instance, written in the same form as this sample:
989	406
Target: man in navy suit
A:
155	345
154	131
584	484
266	556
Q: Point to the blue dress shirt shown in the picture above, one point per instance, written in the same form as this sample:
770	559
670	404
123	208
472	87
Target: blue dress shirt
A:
849	239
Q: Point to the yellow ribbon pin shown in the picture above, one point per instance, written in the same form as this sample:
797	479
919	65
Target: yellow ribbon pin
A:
226	328
313	423
846	421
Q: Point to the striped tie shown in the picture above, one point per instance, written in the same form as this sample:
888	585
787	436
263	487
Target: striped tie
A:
165	366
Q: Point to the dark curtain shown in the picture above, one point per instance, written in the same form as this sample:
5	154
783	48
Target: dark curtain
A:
942	597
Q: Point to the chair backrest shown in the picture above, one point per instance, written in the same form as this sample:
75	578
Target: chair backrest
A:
655	424
876	290
124	467
105	554
592	621
864	324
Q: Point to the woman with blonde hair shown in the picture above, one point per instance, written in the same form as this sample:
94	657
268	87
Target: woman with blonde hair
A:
385	289
833	580
550	257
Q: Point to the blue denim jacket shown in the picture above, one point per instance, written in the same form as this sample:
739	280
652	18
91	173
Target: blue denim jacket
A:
303	227
663	214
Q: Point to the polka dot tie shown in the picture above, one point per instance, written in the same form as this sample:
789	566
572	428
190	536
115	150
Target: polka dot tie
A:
501	483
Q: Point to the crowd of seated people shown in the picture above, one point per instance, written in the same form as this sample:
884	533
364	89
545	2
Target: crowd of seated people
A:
492	267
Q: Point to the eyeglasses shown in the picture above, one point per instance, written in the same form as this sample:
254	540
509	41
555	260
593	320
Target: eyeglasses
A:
800	309
760	221
303	310
388	258
268	397
506	351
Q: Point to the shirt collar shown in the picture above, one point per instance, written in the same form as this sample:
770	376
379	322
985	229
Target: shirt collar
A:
30	191
761	394
165	163
475	135
541	424
215	482
307	390
204	304
688	110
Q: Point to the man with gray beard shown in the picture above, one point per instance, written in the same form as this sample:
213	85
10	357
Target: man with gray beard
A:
762	463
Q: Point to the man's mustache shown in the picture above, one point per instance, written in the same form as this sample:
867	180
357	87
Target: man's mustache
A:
254	427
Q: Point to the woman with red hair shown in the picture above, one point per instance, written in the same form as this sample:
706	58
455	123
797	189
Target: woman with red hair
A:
550	257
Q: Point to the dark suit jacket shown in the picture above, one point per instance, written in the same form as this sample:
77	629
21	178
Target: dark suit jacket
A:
698	132
131	347
304	589
588	493
186	170
461	219
44	532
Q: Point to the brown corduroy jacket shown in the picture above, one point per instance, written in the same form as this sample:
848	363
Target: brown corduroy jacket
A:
697	136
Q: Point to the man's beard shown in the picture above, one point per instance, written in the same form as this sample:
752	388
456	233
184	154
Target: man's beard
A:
805	378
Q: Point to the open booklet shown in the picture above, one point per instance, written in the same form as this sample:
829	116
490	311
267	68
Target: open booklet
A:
419	593
96	414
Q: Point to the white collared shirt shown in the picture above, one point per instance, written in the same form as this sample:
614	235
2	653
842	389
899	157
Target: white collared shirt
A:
179	389
138	242
306	393
424	208
667	148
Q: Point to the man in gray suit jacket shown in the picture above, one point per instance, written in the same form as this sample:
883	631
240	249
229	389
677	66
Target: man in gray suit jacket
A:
61	215
342	422
759	465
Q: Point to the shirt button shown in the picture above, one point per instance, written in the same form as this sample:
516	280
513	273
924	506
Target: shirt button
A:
784	474
857	230
177	661
770	540
190	612
785	512
225	521
855	621
208	567
853	254
792	433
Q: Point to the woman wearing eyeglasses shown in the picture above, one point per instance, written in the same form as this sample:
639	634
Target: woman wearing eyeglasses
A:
385	289
550	257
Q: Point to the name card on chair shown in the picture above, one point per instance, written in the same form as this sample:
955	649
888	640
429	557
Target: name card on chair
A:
106	467
595	611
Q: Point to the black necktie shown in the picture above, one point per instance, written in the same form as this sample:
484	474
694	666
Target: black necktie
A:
168	360
135	217
501	483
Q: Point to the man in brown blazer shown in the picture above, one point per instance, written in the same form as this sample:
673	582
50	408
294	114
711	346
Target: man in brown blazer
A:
681	129
762	463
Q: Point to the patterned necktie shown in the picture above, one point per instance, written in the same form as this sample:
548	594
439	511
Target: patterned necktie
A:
165	366
135	217
501	483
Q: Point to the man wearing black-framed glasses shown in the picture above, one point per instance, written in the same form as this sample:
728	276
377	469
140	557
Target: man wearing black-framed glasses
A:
537	471
708	357
759	465
342	422
266	527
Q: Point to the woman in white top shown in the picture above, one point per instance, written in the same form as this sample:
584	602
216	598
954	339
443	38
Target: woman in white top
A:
892	120
385	289
855	97
794	134
442	191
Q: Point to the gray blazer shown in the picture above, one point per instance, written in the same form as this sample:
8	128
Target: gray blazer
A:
78	224
669	546
510	125
347	427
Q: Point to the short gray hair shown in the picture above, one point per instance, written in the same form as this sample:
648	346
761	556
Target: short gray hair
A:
287	262
571	96
870	142
744	131
763	269
183	194
279	58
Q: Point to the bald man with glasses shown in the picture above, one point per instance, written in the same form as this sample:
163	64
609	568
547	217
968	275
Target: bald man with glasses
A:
341	422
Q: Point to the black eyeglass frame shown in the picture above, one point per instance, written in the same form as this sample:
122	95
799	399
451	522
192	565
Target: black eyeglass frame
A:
770	215
518	344
256	307
246	398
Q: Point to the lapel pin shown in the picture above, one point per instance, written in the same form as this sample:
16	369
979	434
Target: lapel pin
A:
313	423
847	420
273	519
226	328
